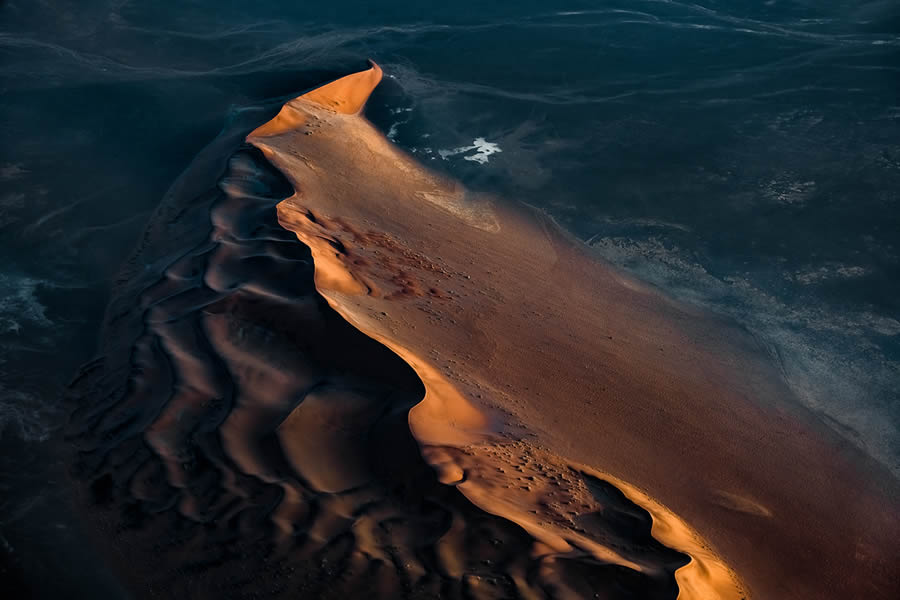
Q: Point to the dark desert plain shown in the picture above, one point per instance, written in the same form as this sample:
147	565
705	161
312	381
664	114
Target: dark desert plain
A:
528	300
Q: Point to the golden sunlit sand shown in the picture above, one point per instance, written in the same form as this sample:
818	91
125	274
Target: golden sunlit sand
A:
328	372
553	382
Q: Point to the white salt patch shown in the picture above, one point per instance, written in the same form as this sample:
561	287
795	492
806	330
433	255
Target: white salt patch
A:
19	304
827	272
478	152
394	128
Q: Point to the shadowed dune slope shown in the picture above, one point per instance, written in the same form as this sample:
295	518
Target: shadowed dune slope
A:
238	438
537	360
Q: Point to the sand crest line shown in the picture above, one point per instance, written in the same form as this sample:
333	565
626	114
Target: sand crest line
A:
445	418
235	416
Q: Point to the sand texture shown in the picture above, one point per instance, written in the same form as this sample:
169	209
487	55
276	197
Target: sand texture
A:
353	377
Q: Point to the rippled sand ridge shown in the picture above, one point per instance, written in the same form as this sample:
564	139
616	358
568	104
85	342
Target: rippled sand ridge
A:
365	378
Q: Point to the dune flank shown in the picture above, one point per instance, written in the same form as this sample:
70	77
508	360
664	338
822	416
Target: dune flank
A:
239	438
542	364
433	394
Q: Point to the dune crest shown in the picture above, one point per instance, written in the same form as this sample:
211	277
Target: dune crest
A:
238	435
437	395
347	96
444	418
525	339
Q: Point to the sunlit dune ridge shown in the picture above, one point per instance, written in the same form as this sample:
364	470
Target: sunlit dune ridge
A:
538	359
239	437
328	372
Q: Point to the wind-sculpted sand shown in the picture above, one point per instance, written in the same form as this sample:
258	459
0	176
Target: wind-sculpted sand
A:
436	394
240	438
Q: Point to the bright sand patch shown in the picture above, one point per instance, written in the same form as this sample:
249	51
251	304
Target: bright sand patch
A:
538	360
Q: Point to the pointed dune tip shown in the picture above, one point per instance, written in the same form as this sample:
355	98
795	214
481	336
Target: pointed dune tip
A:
346	95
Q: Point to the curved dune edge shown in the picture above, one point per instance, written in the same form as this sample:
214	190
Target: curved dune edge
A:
233	413
445	418
532	350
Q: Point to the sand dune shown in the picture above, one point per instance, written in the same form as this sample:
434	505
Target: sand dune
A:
240	438
438	395
518	334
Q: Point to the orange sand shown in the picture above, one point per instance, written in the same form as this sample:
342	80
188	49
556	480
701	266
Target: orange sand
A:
543	364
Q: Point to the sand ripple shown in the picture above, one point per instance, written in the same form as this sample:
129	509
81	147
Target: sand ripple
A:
238	436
